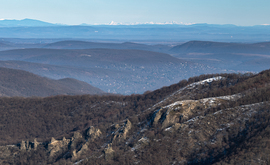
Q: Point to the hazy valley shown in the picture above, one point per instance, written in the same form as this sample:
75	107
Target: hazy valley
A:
127	68
122	71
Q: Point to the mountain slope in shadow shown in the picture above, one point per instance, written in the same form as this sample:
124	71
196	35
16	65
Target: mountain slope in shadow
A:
21	83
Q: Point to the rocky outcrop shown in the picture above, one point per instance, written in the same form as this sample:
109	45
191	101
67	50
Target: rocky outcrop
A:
122	132
26	145
74	155
83	150
7	152
92	133
57	146
181	111
23	145
174	113
108	152
202	133
77	137
127	127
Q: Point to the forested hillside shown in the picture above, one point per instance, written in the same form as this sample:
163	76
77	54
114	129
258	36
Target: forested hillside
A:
15	82
209	119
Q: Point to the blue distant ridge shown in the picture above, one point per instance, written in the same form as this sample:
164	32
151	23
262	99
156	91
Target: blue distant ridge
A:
24	23
29	28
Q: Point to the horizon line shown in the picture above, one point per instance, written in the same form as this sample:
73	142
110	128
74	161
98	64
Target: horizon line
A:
112	23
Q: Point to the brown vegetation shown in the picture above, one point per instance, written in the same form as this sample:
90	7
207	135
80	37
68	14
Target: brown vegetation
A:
202	137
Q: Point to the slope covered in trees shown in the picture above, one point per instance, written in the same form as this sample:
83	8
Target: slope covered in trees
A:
209	119
21	83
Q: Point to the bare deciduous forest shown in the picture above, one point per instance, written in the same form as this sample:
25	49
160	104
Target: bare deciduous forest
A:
246	142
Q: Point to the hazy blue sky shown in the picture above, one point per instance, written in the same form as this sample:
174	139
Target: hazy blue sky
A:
238	12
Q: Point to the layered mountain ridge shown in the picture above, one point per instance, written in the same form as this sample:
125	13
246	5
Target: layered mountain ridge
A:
228	33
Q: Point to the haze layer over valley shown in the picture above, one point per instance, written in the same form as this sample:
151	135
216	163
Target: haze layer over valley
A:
130	67
118	71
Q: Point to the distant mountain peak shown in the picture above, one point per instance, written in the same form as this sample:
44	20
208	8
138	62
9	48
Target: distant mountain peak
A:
149	23
23	23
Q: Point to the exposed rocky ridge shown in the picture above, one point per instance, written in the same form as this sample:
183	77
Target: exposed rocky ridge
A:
67	148
185	92
183	110
73	148
180	111
202	133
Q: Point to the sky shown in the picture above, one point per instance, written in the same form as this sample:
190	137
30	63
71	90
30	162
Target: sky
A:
75	12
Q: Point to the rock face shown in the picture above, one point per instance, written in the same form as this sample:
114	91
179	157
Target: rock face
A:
74	147
76	154
121	133
83	149
77	137
127	127
26	145
202	133
108	152
182	110
92	133
23	145
58	146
